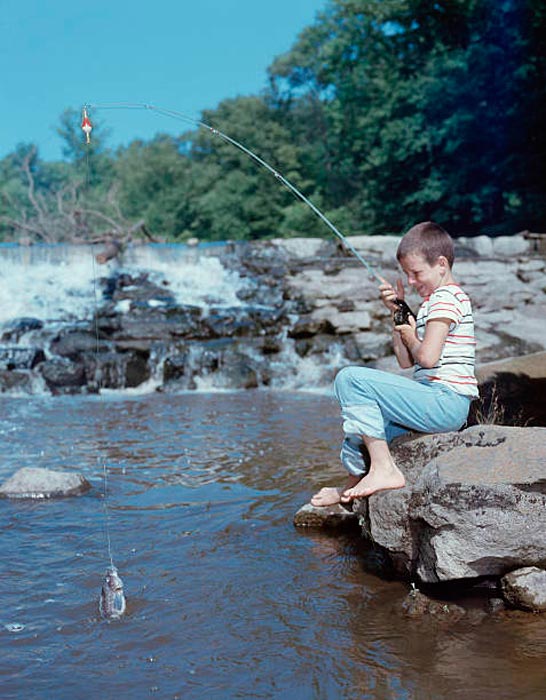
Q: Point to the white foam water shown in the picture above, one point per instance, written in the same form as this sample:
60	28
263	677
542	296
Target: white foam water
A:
57	282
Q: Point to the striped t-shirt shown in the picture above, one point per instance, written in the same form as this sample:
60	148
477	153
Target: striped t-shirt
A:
455	368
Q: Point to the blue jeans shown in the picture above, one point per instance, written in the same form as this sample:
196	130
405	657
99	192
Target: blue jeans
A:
383	405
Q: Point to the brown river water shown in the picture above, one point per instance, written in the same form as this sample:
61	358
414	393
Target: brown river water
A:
225	598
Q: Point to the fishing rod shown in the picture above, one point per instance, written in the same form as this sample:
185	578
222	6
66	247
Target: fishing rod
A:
180	116
401	314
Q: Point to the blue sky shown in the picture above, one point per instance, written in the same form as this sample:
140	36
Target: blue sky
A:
180	55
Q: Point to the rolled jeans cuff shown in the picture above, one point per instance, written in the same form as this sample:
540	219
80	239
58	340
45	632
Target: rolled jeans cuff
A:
364	419
354	456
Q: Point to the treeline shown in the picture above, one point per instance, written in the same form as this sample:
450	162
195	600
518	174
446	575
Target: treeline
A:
384	112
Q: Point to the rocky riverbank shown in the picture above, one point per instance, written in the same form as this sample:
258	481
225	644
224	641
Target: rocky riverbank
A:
304	308
473	509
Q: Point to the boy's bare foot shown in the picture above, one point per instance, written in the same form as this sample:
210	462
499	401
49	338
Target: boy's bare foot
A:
331	495
378	479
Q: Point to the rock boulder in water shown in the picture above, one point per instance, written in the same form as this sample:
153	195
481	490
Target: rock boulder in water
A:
62	376
526	588
474	504
35	482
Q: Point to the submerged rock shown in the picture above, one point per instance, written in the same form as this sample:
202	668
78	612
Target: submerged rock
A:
418	605
330	517
35	482
526	588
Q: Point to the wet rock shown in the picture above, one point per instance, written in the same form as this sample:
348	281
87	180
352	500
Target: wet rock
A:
37	483
418	605
61	374
175	365
229	322
111	370
526	588
161	324
73	343
14	380
328	517
12	357
138	290
228	367
14	330
495	606
474	504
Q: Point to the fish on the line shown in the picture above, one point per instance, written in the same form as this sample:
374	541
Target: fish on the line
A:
112	602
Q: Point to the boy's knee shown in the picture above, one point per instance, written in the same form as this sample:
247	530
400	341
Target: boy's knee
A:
343	379
350	379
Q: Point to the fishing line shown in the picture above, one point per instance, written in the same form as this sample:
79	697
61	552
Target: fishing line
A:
98	378
180	116
112	600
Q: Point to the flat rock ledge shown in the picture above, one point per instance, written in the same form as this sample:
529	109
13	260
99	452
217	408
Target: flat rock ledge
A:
335	517
38	483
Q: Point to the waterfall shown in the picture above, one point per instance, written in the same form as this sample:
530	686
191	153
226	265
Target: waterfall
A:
56	282
170	318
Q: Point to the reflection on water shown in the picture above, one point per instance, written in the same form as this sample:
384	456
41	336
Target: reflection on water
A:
225	598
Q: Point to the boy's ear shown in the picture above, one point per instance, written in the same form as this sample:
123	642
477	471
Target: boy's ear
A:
443	262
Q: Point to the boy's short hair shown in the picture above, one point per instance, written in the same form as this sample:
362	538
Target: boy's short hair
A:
429	240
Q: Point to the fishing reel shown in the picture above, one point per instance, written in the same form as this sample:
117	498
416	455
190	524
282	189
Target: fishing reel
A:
402	314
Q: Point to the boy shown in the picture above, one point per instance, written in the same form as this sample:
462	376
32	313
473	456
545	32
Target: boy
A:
377	406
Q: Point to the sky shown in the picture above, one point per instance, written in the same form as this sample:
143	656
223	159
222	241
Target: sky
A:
181	55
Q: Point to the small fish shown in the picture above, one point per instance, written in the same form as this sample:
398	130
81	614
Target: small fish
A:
112	600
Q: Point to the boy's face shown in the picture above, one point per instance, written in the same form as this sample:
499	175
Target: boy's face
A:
422	276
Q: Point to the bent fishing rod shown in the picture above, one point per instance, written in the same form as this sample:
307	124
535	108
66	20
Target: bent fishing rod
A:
403	311
86	126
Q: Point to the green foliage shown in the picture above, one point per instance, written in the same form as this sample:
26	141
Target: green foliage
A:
429	109
383	113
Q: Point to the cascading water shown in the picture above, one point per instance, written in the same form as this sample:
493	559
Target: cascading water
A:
55	282
170	317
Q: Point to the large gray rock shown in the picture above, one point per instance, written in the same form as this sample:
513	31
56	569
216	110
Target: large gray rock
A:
526	588
35	482
474	504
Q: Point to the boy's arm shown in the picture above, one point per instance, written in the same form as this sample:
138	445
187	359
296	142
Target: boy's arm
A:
426	352
401	352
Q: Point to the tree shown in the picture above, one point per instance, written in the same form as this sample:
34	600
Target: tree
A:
236	197
422	108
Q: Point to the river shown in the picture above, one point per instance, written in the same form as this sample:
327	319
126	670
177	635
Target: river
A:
225	598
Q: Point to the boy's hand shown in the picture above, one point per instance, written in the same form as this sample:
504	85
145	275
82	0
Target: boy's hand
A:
389	293
407	333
